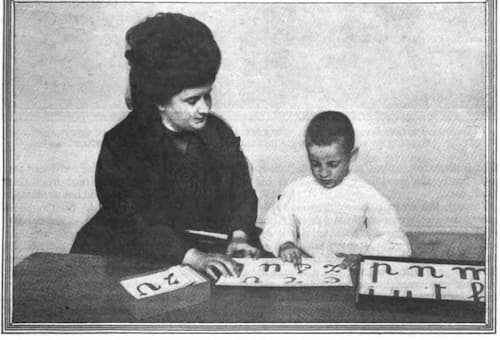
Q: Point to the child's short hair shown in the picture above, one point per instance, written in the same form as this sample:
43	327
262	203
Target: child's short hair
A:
330	127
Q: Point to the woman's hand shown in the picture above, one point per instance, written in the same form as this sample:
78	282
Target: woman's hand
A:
239	247
351	261
210	263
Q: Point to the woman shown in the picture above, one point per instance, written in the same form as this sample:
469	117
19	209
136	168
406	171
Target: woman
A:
170	165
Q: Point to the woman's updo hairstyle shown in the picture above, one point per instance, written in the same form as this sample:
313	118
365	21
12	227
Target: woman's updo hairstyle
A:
167	54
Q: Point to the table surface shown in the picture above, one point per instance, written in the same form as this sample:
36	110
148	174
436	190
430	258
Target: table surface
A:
63	288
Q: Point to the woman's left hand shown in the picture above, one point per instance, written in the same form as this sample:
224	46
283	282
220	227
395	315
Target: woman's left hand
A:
239	247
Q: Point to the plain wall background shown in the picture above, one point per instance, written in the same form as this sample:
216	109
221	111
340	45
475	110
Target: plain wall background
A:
411	77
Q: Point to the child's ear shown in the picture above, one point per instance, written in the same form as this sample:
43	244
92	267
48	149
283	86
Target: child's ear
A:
354	153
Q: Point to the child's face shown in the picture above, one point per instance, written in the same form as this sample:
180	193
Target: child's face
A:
329	164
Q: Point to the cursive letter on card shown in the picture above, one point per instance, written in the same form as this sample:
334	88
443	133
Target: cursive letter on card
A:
331	279
150	286
375	267
464	270
303	267
409	293
171	280
331	268
477	289
249	279
437	290
267	266
421	271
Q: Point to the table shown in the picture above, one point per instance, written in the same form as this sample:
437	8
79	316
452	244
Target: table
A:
62	288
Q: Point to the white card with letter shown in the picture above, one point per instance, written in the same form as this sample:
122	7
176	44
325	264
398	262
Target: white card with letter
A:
273	272
151	284
437	281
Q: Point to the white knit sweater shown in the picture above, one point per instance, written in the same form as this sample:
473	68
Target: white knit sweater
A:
351	218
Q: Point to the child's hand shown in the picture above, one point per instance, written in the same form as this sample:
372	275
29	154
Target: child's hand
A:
351	261
289	252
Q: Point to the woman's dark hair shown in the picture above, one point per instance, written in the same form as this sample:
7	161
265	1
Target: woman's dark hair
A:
330	127
167	54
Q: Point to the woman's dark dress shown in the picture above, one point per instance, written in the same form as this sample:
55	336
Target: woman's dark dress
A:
151	192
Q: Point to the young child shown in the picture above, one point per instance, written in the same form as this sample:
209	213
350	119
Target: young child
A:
334	212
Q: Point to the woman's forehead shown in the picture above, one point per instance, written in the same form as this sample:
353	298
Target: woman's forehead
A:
195	91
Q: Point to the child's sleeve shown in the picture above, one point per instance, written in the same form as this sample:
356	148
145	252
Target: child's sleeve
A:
280	224
384	230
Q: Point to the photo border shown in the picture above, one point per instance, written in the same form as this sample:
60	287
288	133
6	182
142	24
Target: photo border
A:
234	328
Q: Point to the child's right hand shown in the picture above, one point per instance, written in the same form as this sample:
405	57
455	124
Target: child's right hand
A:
289	252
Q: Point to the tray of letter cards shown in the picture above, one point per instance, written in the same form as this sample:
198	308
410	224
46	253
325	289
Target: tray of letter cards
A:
425	284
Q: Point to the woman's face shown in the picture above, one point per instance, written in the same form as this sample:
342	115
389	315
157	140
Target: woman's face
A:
187	110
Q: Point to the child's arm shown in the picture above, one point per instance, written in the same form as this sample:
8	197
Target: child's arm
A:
280	225
384	230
